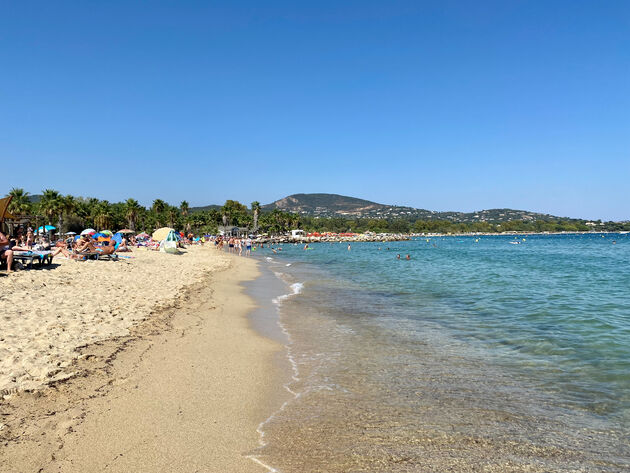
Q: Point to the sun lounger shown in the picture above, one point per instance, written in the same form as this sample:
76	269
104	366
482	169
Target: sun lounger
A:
97	255
27	258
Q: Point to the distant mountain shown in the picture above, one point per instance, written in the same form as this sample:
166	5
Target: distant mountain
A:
205	207
334	205
317	204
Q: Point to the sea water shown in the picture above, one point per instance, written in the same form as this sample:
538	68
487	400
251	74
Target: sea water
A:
480	353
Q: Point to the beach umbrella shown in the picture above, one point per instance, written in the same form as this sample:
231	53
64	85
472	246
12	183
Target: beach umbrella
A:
118	238
4	205
101	237
46	228
107	232
143	235
88	231
161	233
125	231
70	233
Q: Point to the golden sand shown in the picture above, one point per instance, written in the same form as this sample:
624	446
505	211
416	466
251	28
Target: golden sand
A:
46	314
172	378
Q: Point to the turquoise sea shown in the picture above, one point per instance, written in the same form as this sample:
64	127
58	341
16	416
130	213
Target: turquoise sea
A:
477	354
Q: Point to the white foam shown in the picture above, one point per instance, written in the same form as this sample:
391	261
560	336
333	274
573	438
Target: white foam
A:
296	288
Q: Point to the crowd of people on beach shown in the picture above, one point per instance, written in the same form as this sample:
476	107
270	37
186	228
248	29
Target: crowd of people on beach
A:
80	247
234	245
25	242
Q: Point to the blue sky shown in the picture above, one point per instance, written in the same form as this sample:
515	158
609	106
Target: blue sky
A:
441	105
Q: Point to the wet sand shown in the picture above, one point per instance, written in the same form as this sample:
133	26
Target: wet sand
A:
183	392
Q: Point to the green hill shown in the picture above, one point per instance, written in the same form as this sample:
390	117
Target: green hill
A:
334	205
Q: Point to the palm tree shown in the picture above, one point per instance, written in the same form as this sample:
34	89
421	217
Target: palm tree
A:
67	205
132	209
50	204
103	215
184	207
159	206
256	210
172	213
20	203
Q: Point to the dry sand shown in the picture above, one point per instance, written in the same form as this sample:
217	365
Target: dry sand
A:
181	391
46	314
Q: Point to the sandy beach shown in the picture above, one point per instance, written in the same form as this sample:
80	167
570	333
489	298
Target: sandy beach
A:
147	364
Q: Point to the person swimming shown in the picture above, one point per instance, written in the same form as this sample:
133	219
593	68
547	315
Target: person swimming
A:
398	256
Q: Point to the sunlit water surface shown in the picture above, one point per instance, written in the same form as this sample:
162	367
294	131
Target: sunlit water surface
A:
478	354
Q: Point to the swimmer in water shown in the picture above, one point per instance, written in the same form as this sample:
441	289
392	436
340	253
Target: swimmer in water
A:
408	257
348	247
397	256
306	246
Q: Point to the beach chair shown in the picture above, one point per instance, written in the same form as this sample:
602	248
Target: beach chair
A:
97	255
102	257
28	258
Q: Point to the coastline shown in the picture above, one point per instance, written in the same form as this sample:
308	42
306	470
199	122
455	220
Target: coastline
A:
184	391
396	237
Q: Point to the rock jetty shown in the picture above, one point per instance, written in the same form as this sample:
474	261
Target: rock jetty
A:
333	238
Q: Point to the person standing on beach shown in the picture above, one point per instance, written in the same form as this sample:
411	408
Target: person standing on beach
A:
248	246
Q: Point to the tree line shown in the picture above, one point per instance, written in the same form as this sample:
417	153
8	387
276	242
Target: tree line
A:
70	213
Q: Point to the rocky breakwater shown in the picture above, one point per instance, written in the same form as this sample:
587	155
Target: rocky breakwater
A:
335	238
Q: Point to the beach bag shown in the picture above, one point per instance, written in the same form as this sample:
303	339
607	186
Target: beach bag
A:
169	246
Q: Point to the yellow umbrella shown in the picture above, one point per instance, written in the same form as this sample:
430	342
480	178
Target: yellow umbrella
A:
161	233
4	205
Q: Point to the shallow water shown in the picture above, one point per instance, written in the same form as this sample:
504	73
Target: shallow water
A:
475	355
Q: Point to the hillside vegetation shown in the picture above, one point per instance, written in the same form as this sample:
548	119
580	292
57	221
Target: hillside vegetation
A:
310	212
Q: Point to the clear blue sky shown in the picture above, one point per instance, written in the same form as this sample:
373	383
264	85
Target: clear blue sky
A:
442	105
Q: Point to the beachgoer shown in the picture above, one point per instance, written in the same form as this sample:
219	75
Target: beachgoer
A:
123	245
398	256
5	251
306	246
348	247
408	257
248	246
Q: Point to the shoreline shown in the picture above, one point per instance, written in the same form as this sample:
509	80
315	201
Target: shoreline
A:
186	390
